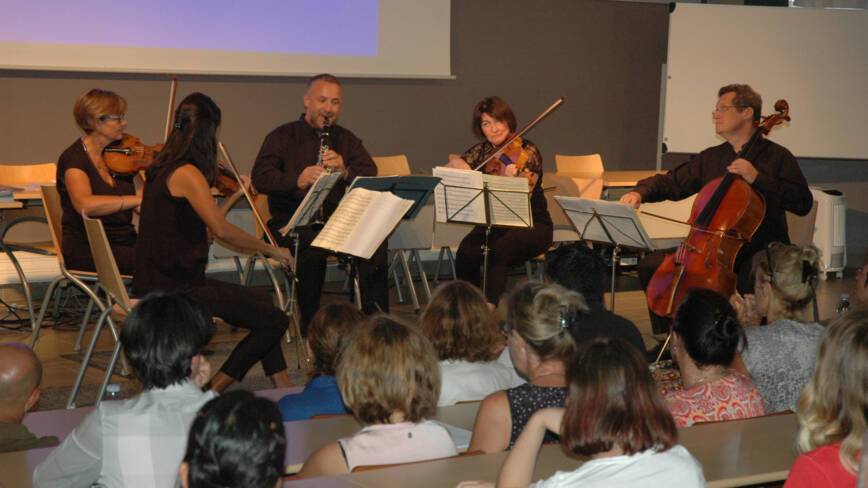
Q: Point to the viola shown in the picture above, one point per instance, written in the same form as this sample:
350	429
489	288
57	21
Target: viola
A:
129	155
725	215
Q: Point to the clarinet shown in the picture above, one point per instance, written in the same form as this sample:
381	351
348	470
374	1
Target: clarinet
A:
323	147
323	143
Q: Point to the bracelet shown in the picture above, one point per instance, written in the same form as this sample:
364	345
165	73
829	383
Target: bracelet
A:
122	204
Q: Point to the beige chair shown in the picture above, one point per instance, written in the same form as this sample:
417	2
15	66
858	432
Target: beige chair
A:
585	164
117	303
20	176
392	165
53	214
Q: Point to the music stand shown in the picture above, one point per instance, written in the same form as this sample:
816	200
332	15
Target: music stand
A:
610	223
488	221
303	216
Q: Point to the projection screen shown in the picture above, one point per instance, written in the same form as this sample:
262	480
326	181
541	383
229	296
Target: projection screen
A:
353	38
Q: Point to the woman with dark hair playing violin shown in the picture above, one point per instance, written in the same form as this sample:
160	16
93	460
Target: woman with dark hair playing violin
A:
85	182
494	123
178	213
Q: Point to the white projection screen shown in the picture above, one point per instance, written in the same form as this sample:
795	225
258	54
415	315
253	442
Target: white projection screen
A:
354	38
815	59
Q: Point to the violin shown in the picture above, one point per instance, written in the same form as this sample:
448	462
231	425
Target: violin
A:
725	215
129	155
512	159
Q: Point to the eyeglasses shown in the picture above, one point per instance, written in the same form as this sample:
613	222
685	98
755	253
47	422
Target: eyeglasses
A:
723	109
116	118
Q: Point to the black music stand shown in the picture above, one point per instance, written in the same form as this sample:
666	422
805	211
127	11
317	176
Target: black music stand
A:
609	223
487	195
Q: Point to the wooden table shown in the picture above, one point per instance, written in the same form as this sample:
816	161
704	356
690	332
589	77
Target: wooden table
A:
734	453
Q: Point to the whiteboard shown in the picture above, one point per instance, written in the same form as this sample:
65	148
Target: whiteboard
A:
815	59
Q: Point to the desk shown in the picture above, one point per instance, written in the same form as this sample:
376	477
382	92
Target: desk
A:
733	453
303	437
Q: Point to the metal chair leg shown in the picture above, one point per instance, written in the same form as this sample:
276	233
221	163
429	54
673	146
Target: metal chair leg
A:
84	321
79	379
45	303
420	268
408	276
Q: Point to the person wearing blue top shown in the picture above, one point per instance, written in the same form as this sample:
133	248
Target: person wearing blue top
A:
321	395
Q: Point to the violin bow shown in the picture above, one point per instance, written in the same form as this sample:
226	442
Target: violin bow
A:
170	113
247	195
545	113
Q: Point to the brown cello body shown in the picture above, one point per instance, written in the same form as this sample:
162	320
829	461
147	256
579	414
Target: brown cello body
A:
726	214
706	258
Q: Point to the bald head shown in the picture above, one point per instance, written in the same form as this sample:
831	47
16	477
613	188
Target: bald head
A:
20	374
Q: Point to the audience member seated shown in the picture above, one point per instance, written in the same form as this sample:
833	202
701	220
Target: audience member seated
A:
832	408
615	417
328	328
781	356
460	325
236	440
705	335
538	319
578	268
20	376
389	379
140	442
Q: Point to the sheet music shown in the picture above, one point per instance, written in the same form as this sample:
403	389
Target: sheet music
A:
458	187
622	222
508	201
362	222
312	201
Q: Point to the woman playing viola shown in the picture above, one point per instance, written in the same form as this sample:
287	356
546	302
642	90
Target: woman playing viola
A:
85	182
494	123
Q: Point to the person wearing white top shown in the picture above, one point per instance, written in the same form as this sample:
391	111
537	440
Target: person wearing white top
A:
389	380
140	442
628	434
464	332
465	381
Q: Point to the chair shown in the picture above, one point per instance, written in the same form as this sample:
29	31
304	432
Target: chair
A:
392	165
585	164
117	300
53	213
20	176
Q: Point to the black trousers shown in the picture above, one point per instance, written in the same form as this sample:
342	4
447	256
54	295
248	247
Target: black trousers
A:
311	269
649	264
507	248
246	308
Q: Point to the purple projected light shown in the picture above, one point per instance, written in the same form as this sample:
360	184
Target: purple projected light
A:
316	27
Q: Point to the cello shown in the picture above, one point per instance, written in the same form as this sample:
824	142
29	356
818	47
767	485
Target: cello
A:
725	216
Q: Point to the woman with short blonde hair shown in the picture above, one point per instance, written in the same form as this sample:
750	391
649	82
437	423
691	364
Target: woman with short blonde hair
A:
390	380
832	408
87	185
462	328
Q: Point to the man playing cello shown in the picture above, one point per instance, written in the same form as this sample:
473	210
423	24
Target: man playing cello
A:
773	173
